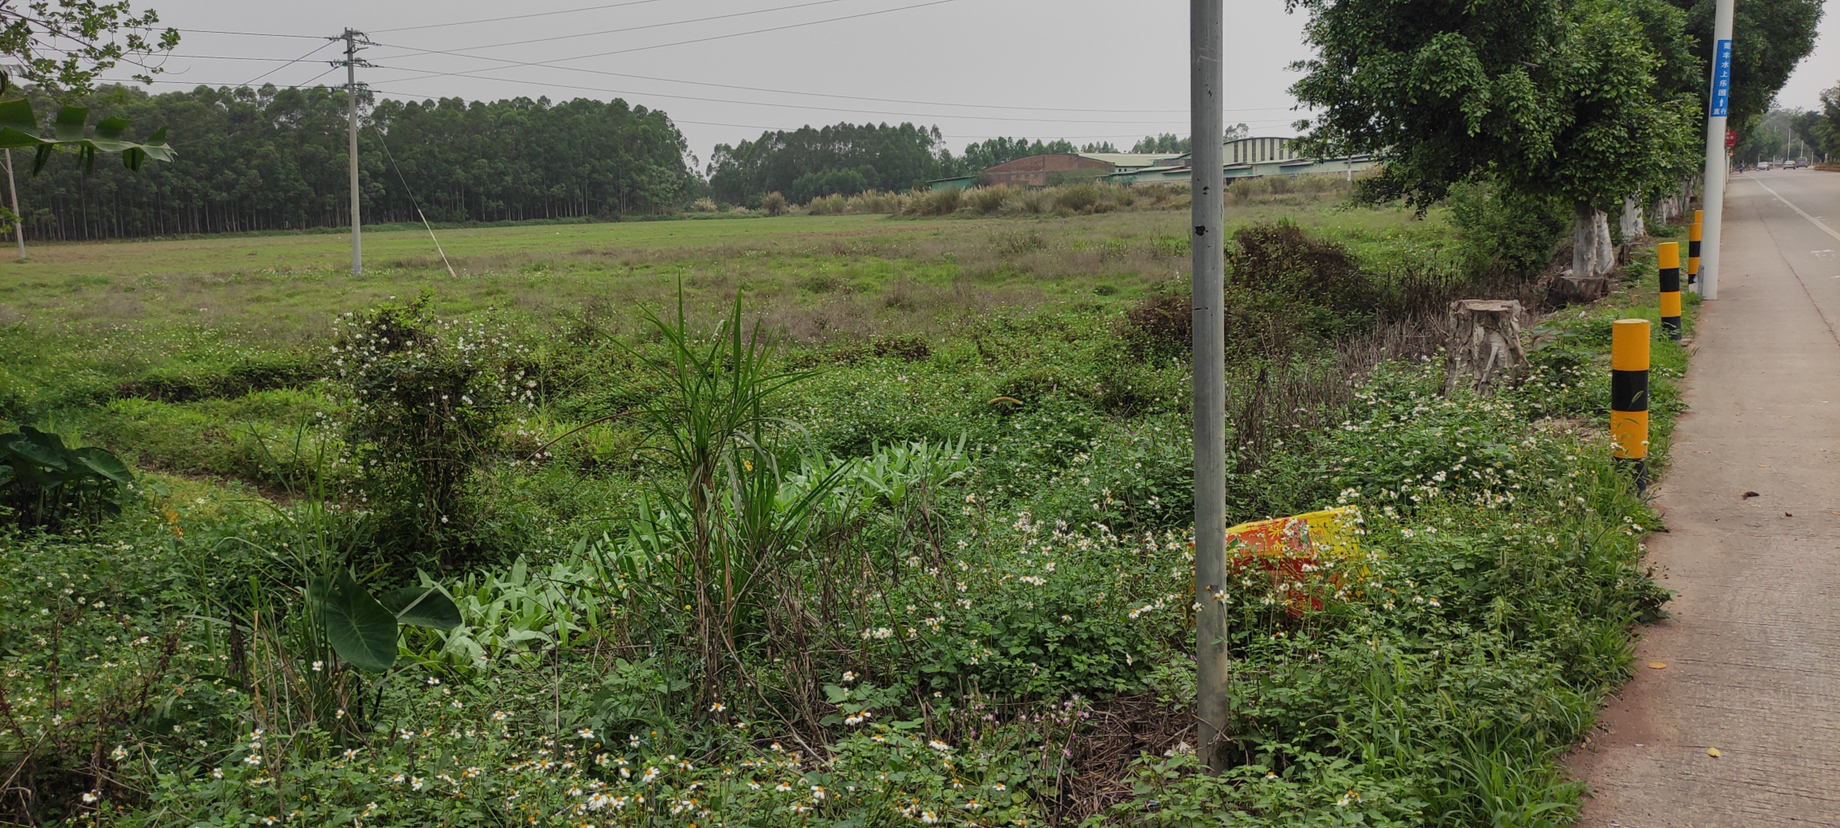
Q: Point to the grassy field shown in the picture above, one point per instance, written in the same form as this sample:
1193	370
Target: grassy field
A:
855	274
927	561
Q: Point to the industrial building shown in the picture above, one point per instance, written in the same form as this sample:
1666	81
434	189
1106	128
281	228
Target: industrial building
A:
1241	158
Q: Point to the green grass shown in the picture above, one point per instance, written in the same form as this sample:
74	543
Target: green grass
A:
1013	619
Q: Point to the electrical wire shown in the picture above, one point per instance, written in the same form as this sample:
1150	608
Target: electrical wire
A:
742	34
249	34
518	16
316	49
651	25
515	63
413	201
800	107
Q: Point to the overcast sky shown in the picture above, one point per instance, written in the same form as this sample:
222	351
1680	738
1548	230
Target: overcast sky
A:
726	70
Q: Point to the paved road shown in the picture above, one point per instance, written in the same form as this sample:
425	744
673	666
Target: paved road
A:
1753	651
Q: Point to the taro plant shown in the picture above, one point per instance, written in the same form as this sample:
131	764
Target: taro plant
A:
45	483
362	628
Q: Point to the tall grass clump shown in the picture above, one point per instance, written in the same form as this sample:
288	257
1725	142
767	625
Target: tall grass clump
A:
988	200
876	202
830	205
936	202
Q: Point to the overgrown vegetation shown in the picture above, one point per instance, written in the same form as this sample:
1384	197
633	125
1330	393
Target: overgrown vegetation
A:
931	569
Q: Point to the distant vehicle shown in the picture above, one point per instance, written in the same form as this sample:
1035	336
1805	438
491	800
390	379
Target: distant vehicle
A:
1763	165
1789	164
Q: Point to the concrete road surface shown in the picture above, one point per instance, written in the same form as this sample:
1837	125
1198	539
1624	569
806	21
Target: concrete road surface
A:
1752	505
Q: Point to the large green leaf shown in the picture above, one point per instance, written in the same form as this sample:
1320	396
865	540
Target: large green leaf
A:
359	628
105	464
422	607
42	449
19	128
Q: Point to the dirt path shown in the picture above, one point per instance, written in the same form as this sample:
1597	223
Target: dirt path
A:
1752	654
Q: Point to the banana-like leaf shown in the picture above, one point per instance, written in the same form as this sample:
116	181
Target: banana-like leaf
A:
360	630
41	447
104	462
422	607
19	128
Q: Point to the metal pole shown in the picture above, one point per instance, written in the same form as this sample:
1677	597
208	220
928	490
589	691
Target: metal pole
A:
19	224
351	101
1716	163
1209	339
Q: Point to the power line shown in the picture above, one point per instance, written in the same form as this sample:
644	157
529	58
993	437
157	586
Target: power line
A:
421	73
737	34
651	25
250	34
518	16
802	107
315	51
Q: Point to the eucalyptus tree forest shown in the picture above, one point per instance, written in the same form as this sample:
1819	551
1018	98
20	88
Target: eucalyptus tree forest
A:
276	159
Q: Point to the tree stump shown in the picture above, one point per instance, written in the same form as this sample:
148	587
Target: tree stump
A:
1570	288
1485	344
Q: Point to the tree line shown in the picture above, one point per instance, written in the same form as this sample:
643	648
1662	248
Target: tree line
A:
276	159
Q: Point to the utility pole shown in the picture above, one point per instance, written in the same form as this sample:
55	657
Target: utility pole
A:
19	220
1716	164
1209	333
352	38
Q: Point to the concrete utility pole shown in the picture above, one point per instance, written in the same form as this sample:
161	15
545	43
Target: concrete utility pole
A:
1208	332
19	223
352	38
1716	164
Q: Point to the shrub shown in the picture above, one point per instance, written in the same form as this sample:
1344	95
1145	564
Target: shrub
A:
1283	285
1503	232
1160	324
1078	198
703	205
427	398
774	204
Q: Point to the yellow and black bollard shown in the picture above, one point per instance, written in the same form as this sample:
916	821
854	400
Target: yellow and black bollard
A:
1629	397
1693	249
1669	260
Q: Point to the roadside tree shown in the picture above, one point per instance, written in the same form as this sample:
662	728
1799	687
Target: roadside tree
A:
1560	98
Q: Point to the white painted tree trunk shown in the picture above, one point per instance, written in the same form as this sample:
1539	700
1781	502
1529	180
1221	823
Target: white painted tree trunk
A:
1631	226
1592	253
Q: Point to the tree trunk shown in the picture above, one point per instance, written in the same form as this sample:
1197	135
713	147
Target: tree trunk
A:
1592	253
1631	226
1485	344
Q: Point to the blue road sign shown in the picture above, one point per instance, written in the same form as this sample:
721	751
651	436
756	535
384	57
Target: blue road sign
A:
1721	80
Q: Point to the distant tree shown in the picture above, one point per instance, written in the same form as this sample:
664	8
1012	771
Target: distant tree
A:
1550	97
1827	129
275	159
887	157
993	151
1167	142
1172	144
1102	146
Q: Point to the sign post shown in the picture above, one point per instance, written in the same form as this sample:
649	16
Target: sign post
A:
1716	163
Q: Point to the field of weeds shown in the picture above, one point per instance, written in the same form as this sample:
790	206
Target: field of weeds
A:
809	520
